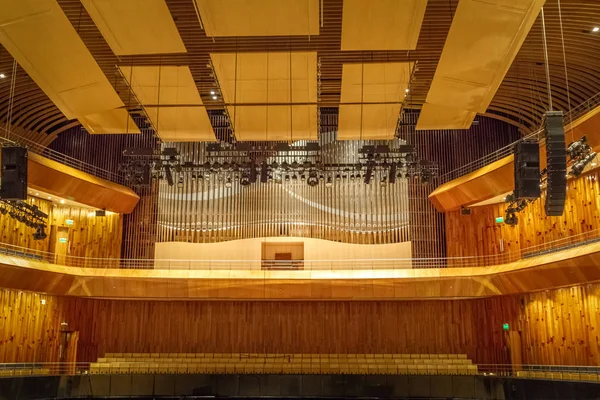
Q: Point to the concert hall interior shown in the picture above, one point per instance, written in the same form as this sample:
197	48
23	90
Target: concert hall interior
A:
299	198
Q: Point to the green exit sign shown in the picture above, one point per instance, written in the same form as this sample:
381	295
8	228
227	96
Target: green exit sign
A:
499	220
62	240
69	222
505	326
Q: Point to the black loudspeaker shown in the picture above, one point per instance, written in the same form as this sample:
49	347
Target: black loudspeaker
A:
14	174
527	170
556	164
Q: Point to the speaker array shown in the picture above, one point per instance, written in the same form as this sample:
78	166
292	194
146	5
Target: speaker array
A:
556	164
527	170
14	174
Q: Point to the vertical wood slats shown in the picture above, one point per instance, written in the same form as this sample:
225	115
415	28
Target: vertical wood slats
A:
479	235
556	327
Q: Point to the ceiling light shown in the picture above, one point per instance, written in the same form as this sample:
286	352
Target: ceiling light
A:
214	97
596	29
62	202
407	90
37	194
49	197
212	92
2	76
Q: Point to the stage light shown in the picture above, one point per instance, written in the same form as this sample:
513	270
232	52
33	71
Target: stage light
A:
228	183
369	173
312	180
245	179
39	234
511	219
329	182
180	182
383	182
169	175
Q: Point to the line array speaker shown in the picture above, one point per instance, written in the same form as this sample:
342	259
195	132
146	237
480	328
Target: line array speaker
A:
527	170
556	164
14	173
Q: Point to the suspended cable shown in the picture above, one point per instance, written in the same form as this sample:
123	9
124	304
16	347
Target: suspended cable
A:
562	38
11	98
546	61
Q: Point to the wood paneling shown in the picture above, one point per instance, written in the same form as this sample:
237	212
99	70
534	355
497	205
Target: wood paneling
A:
478	234
89	236
556	327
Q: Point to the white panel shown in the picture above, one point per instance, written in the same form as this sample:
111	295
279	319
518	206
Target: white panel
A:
181	124
484	38
39	36
136	26
259	17
109	122
382	24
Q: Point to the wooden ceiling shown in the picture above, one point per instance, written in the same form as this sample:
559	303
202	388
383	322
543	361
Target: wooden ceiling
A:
520	100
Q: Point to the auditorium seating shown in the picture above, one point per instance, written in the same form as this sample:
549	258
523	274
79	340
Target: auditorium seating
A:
568	374
24	371
244	363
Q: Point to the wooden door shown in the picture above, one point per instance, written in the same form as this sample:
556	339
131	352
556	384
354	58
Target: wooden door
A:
59	244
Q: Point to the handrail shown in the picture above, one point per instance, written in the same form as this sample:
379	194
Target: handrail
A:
14	139
333	264
506	151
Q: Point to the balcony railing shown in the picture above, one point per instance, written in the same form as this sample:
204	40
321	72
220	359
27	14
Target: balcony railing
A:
304	265
13	139
506	151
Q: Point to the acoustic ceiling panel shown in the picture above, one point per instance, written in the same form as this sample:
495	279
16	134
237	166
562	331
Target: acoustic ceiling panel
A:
136	26
371	100
275	123
117	121
484	38
283	87
162	85
259	17
382	24
434	117
39	36
181	123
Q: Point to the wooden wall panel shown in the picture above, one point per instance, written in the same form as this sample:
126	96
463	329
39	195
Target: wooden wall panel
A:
478	234
89	236
556	327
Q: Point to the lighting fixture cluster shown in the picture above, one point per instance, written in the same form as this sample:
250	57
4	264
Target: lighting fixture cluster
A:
27	214
580	155
515	206
239	163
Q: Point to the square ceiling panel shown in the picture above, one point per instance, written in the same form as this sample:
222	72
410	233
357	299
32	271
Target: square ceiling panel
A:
382	24
160	85
259	17
371	100
136	26
39	36
283	85
181	124
117	121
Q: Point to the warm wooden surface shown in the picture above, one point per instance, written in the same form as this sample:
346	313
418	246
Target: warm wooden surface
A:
556	327
89	236
478	234
579	265
63	181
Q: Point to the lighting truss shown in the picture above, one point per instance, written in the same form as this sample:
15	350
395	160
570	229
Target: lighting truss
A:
279	162
515	206
28	214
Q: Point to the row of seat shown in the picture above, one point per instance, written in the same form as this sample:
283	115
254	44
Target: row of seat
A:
282	368
261	360
273	355
571	376
24	371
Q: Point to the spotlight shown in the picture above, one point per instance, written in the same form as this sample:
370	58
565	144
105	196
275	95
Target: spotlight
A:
338	177
180	182
369	173
245	179
39	234
511	219
579	166
312	180
328	183
169	175
383	182
228	182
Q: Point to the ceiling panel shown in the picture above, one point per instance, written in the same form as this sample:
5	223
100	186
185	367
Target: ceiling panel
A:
42	40
283	85
259	17
117	121
382	87
162	85
434	116
136	26
272	123
484	39
382	24
181	124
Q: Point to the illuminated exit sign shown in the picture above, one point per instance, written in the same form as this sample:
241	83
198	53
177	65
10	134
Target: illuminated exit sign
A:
62	240
69	222
499	220
505	326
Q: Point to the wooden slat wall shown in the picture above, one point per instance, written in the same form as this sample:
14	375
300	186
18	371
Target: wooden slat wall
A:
478	234
556	327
